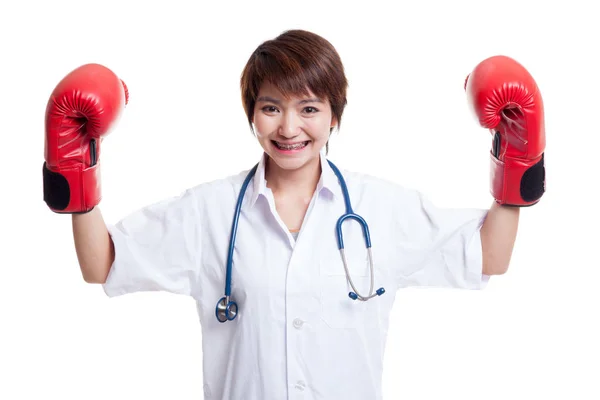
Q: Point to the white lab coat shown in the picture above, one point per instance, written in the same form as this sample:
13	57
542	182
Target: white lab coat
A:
298	335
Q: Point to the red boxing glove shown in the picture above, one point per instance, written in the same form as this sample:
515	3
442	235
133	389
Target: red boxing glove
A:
83	108
506	100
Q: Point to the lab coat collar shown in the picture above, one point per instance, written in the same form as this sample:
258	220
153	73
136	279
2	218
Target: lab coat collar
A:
328	181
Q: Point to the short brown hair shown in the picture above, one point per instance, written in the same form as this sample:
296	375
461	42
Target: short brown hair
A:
294	61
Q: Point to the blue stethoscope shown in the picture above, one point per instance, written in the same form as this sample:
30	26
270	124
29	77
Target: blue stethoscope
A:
227	309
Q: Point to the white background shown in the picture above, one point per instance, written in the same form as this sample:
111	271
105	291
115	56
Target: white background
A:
532	334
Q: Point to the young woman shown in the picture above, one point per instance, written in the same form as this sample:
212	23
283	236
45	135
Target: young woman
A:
284	311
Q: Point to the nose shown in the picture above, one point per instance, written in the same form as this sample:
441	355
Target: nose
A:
291	125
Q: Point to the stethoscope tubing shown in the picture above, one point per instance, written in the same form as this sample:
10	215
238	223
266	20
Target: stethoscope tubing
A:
227	310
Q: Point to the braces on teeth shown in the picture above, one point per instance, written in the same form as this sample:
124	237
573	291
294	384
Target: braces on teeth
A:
290	147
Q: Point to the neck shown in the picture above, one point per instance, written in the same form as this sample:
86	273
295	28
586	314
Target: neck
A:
302	181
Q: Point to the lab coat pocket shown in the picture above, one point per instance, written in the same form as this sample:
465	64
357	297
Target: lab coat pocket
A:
338	310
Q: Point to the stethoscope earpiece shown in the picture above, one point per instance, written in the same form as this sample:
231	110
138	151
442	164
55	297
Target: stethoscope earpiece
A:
354	296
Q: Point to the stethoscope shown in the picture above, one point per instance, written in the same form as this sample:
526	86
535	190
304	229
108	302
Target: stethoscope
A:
227	309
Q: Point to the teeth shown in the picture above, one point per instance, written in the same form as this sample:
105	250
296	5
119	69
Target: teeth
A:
291	146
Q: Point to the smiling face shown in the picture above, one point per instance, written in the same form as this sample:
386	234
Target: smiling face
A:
292	131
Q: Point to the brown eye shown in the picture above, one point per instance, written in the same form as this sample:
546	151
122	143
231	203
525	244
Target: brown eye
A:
269	109
314	110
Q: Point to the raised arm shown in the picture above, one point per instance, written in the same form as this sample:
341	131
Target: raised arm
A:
94	246
498	235
81	111
506	100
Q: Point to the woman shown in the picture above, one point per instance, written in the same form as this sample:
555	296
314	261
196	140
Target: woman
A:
297	325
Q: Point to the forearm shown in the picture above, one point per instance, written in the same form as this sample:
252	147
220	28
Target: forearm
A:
498	235
94	246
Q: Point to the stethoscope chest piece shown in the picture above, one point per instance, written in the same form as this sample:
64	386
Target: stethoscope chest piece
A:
226	309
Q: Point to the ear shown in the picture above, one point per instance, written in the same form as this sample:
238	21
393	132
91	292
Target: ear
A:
333	122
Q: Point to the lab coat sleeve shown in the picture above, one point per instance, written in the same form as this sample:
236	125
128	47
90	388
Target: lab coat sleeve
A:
157	248
438	247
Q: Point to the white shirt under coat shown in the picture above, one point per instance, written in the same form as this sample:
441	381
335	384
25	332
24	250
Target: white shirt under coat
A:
297	335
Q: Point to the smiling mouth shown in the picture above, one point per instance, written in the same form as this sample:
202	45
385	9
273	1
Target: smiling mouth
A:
295	146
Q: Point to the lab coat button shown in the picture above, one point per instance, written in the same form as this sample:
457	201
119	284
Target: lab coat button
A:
298	323
300	385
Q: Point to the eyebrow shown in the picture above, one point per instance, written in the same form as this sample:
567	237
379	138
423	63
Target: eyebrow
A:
272	100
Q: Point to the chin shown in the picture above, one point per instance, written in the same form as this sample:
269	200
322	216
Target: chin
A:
288	163
292	163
